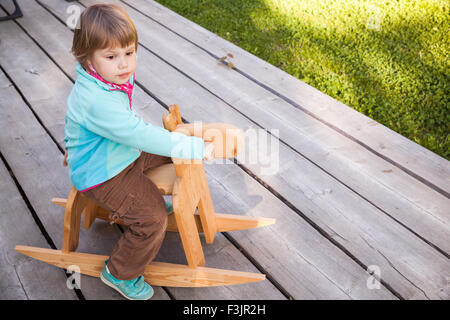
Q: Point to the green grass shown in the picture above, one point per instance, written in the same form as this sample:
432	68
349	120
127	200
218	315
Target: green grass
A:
386	59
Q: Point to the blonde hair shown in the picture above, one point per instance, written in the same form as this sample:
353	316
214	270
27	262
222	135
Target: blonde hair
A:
102	26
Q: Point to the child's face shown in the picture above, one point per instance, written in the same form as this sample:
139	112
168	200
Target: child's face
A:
115	65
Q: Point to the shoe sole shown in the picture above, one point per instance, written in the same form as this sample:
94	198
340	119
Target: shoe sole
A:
111	285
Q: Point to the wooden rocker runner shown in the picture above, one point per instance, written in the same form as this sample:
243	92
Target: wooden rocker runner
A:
186	181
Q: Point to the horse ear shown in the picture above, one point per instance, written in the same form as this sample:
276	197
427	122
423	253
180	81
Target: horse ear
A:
175	111
169	122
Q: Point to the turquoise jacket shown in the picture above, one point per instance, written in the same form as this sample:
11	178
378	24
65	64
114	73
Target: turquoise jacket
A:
103	134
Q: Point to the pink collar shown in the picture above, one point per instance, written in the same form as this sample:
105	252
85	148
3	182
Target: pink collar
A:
127	87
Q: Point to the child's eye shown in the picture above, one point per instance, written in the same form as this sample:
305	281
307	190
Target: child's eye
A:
110	57
130	53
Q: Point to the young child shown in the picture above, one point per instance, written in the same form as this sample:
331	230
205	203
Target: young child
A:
108	146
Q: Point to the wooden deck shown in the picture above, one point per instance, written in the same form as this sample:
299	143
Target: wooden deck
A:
351	197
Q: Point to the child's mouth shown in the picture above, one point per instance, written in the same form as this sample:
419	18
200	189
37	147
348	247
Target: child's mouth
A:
123	75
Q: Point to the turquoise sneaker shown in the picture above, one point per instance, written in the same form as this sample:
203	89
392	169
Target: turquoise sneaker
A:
136	289
169	207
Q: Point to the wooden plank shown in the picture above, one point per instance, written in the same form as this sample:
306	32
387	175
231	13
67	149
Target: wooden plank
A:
206	206
22	277
72	220
381	139
317	199
225	221
304	273
156	273
101	236
184	208
36	161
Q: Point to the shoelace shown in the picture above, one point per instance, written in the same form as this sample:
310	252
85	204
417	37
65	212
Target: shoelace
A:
139	282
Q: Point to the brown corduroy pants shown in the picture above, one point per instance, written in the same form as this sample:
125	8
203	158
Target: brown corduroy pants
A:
135	199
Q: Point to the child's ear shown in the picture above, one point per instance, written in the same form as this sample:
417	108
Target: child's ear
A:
89	65
86	64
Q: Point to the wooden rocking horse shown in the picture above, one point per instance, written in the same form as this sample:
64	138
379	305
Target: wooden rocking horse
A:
186	181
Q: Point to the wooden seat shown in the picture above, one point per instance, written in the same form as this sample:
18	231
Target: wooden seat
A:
164	177
193	212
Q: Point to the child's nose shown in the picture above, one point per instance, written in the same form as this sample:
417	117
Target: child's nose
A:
123	63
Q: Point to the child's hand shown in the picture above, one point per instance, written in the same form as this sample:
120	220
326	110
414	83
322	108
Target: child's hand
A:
65	159
209	151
